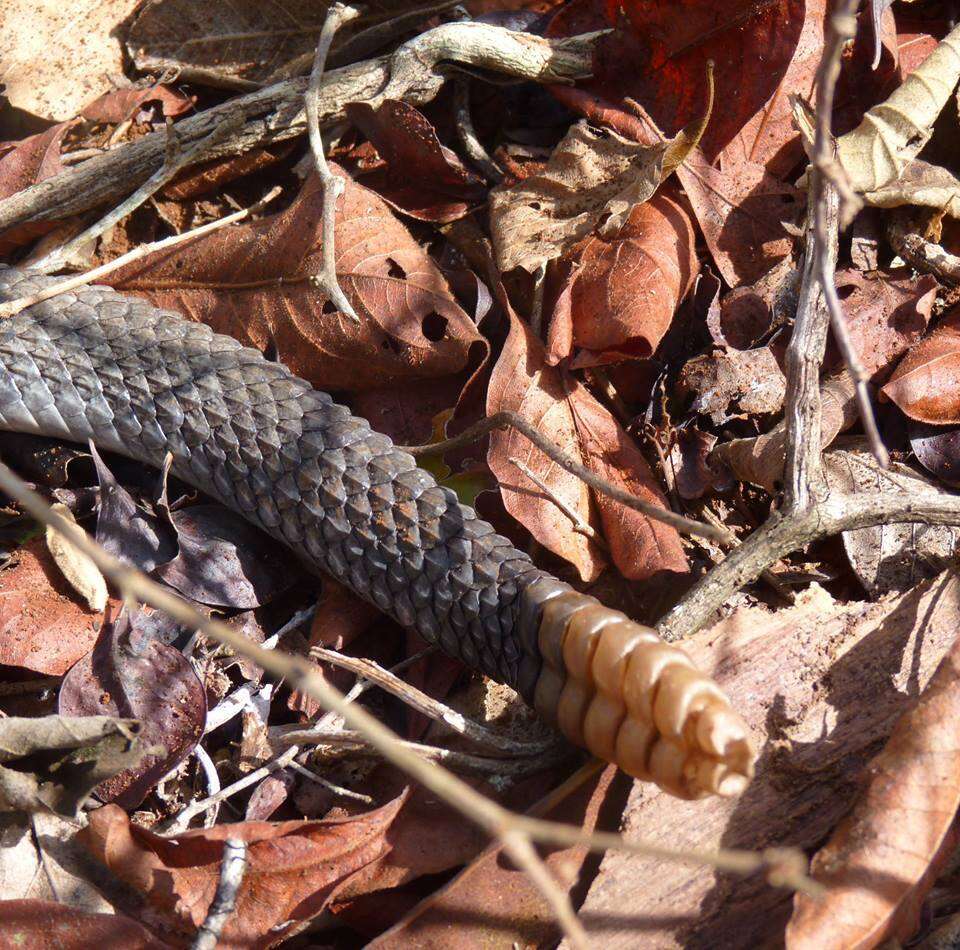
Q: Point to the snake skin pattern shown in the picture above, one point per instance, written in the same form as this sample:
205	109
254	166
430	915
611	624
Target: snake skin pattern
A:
95	364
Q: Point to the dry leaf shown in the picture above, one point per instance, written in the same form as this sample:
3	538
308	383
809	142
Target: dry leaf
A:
39	925
623	291
44	625
926	383
891	134
55	57
564	410
922	184
294	868
750	378
84	576
593	179
890	557
885	856
253	282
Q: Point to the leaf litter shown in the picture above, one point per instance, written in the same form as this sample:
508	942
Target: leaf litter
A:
629	286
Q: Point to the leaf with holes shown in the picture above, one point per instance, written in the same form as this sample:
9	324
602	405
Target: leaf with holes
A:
560	407
254	282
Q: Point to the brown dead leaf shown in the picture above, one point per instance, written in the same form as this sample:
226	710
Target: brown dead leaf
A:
563	409
39	925
253	282
748	381
884	857
294	868
623	290
82	574
421	177
45	626
55	57
594	178
926	383
121	104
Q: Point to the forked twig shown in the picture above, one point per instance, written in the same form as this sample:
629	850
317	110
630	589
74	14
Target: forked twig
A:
333	185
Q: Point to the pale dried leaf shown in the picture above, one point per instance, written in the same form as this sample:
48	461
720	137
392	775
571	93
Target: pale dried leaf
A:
55	57
891	134
922	184
890	556
750	381
83	575
594	177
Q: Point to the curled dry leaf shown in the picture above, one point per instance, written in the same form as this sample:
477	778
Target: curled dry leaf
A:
422	178
624	289
129	674
253	282
294	868
890	557
937	449
884	857
44	624
122	104
83	575
921	184
593	180
926	383
563	409
878	151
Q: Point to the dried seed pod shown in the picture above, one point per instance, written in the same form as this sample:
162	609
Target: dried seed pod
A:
614	687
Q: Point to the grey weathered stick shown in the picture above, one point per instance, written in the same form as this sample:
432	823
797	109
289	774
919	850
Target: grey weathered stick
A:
232	868
276	113
332	185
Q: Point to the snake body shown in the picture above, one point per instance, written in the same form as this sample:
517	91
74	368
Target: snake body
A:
95	364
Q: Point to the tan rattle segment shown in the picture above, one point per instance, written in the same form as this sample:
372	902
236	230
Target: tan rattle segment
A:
614	687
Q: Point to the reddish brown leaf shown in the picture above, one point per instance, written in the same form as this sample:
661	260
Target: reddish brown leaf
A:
45	626
926	383
623	291
122	104
39	925
563	409
253	282
734	382
884	857
131	674
886	316
421	177
293	870
661	58
24	163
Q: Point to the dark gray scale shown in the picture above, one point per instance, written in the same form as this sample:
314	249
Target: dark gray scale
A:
144	381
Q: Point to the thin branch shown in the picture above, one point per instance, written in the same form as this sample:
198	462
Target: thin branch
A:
498	822
328	785
174	163
333	185
431	707
11	307
579	525
920	253
468	134
232	868
841	27
507	419
276	113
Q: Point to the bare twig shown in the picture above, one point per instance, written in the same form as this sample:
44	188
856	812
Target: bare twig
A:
429	706
276	113
174	163
497	821
11	307
332	185
507	419
579	525
328	785
468	135
232	867
842	27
